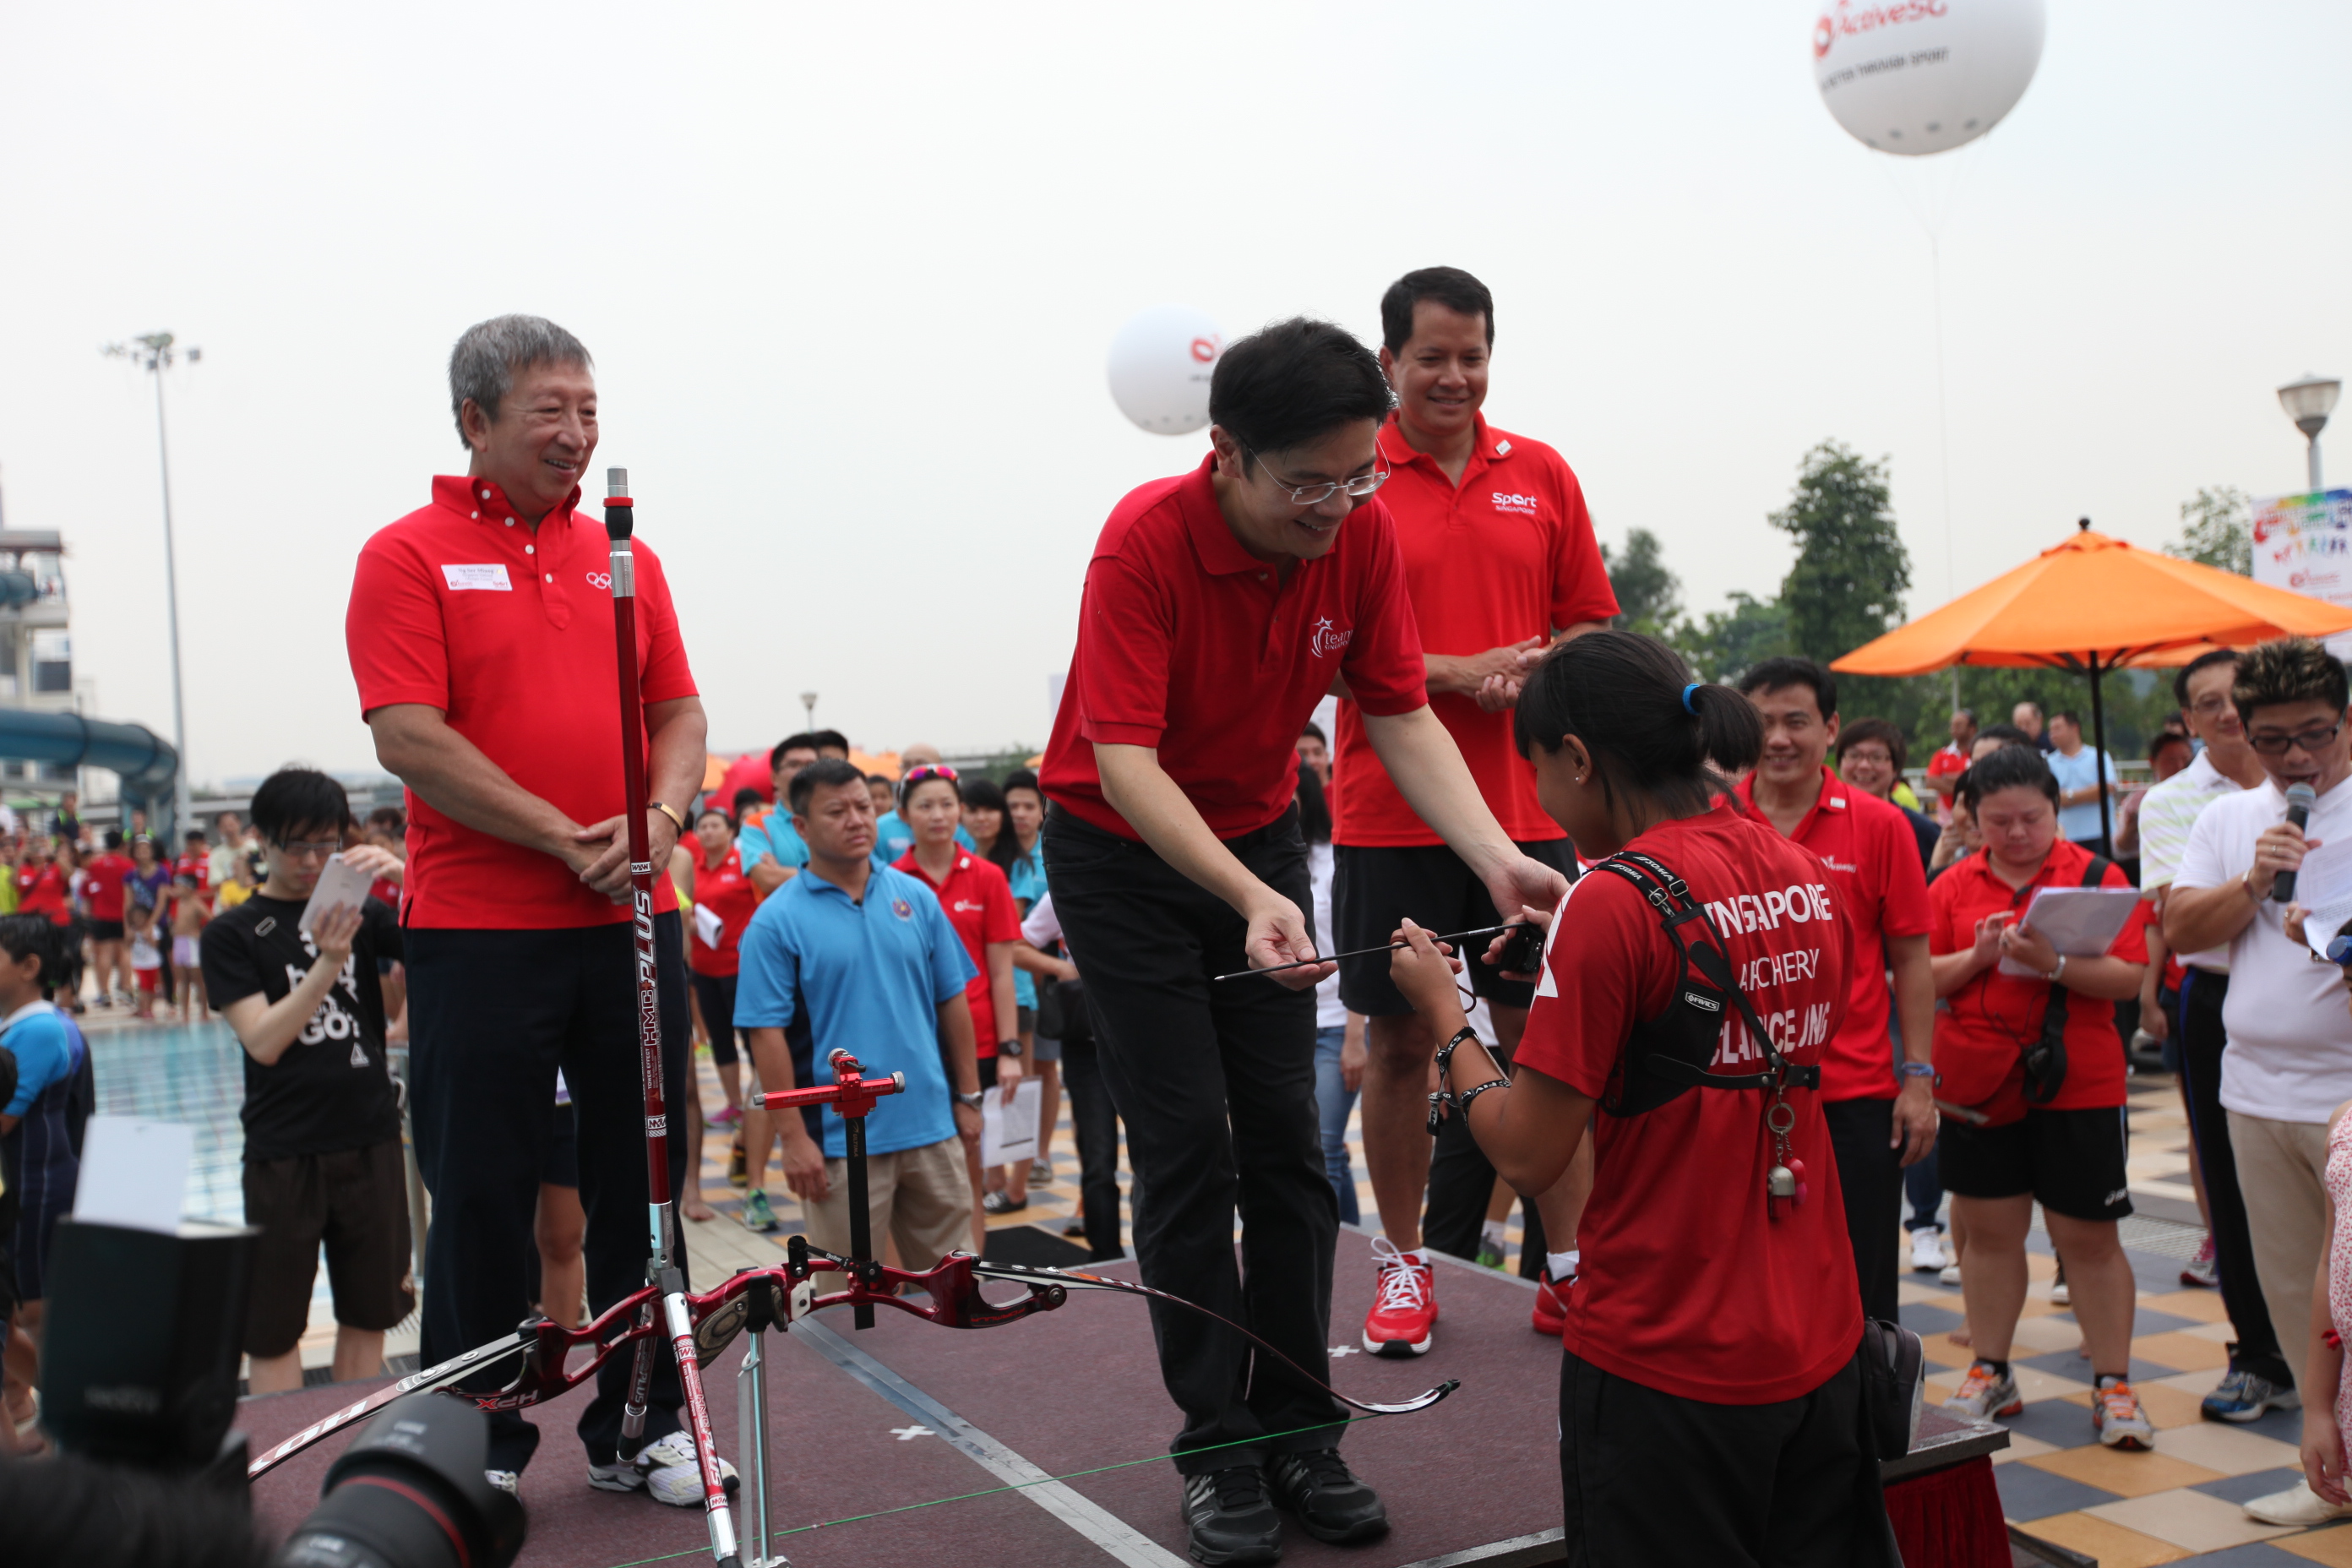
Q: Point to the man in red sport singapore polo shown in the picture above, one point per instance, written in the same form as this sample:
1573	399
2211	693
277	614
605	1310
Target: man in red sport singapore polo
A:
480	632
1499	562
1880	1104
1219	607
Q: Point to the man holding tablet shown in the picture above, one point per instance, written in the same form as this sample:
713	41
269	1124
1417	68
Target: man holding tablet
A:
1219	607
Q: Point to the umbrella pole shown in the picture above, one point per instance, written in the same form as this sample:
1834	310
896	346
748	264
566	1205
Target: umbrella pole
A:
2099	751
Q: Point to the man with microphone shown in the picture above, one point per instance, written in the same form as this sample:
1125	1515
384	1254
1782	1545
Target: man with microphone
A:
1219	607
2289	1062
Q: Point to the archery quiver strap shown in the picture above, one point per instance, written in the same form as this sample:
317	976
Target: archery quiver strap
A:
1671	1052
2045	1059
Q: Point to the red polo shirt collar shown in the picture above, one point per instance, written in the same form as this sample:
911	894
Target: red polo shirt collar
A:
1835	791
483	500
1403	454
1213	537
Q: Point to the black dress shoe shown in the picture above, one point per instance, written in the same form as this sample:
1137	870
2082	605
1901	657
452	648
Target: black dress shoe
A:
1229	1519
1330	1501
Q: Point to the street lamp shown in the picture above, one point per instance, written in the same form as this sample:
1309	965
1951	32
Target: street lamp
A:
155	353
2308	403
808	707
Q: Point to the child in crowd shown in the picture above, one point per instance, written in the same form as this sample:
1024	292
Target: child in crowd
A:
237	885
40	1136
189	913
142	921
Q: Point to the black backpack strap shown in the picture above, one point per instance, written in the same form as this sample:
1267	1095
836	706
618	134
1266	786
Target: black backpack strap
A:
1671	897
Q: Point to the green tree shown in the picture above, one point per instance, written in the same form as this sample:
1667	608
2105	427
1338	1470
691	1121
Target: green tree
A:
1724	643
1649	596
1847	585
2216	529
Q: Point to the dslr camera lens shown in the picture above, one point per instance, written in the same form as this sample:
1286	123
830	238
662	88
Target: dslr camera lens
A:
410	1492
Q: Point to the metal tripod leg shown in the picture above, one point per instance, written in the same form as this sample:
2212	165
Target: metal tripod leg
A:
752	1414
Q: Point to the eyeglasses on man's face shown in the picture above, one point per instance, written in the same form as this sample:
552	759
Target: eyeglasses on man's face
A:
311	849
1357	488
2278	743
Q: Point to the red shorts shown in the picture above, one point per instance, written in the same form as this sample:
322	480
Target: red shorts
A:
149	980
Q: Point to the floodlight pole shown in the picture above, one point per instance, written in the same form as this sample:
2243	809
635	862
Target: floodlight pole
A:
808	709
2308	403
155	351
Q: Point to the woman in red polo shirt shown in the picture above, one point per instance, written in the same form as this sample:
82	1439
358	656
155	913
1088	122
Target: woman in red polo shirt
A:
1999	1152
1714	1332
719	886
979	904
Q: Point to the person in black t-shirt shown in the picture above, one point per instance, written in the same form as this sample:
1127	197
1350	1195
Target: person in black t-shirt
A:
322	1157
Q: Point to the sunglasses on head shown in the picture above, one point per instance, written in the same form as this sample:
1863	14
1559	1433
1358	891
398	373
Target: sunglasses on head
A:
917	774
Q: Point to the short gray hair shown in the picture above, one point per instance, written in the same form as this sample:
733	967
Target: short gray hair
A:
483	364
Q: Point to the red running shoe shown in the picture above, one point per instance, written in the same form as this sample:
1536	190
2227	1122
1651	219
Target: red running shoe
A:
1551	1304
1404	1310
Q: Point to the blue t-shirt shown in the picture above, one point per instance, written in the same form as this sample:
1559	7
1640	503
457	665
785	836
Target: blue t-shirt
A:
2081	770
872	975
772	838
1028	880
893	838
44	1054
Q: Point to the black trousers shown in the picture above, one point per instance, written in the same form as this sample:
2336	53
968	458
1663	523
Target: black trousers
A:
1216	1085
1870	1176
1095	1119
1791	1485
492	1016
1460	1183
2202	1039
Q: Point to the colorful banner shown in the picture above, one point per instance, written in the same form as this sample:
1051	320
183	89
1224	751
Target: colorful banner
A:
2303	543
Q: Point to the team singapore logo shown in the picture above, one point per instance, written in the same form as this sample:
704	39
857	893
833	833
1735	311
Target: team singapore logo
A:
1325	639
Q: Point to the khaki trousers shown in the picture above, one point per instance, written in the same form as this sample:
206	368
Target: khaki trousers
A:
919	1197
2280	1169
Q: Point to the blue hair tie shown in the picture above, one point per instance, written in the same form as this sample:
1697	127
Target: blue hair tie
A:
1686	697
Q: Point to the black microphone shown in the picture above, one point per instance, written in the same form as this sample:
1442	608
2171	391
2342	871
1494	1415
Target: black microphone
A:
2299	797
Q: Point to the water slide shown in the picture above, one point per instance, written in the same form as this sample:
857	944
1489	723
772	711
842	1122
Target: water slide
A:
142	760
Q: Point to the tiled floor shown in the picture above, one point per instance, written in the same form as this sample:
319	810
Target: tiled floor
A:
2178	1503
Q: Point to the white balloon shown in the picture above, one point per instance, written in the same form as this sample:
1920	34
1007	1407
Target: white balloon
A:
1915	77
1159	367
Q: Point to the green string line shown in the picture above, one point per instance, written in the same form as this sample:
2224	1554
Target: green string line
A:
991	1491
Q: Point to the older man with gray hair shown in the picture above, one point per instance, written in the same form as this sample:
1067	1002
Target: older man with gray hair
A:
481	634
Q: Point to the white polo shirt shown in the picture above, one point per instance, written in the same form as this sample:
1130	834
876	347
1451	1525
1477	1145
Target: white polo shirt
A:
2289	1019
2165	816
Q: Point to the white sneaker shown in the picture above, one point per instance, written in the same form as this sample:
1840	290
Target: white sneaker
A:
2297	1505
1952	1274
671	1473
506	1481
1928	1254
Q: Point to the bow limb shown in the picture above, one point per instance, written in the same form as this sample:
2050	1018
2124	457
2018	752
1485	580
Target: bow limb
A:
1077	1282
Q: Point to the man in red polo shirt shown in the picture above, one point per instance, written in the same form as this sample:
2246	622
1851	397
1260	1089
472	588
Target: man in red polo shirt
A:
480	633
1882	1116
1219	607
1499	562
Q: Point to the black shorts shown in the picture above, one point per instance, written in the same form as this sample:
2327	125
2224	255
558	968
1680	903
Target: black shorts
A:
1375	887
2071	1160
987	1072
715	994
105	931
561	1167
353	1200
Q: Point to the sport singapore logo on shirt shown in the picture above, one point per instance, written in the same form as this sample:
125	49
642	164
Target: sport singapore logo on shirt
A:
1524	505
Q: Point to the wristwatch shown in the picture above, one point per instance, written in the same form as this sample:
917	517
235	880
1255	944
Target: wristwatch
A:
972	1099
1009	1048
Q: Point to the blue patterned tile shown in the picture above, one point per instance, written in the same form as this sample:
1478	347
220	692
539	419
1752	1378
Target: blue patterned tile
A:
2247	1488
2028	1494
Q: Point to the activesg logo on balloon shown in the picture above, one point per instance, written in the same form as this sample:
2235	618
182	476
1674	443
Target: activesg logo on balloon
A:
1160	362
1915	77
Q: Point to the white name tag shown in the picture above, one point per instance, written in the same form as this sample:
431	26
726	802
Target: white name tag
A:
491	578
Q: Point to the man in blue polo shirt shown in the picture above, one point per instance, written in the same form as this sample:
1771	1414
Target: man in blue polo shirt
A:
866	955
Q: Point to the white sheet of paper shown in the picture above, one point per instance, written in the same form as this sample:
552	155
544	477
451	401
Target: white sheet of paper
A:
708	927
340	883
2081	922
1010	1133
135	1172
2324	877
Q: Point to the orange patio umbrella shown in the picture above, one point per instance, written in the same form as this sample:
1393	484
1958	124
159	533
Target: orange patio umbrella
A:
2095	603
